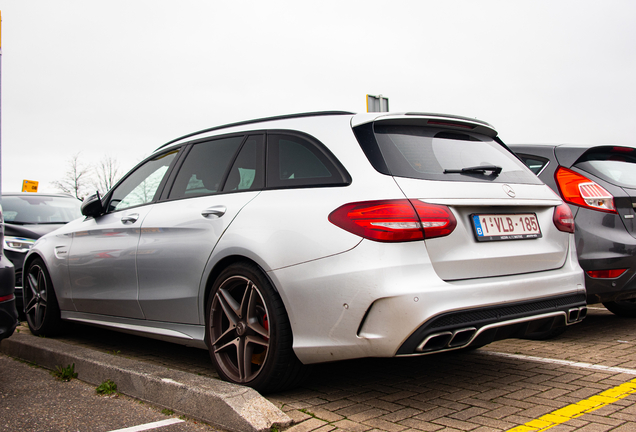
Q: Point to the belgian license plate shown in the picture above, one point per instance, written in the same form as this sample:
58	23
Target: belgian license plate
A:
490	227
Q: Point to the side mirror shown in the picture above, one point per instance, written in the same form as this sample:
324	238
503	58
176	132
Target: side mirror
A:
92	205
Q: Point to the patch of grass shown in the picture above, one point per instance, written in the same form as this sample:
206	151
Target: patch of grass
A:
64	373
167	412
33	365
106	388
304	410
114	352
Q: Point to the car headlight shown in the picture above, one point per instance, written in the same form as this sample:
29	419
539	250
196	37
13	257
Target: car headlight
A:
18	244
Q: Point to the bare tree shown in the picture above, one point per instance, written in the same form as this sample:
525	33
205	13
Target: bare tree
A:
77	180
107	173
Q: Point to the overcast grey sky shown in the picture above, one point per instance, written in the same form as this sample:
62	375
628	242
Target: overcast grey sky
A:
121	77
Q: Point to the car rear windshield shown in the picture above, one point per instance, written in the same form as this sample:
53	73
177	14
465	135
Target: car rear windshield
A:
440	154
39	209
614	165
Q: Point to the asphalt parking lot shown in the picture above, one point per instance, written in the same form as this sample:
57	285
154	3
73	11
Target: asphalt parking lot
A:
581	380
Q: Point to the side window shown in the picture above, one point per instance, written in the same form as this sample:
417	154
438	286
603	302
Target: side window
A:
294	161
204	167
248	170
535	163
142	185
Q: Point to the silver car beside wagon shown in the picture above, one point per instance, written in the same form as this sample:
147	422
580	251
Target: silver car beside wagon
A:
281	242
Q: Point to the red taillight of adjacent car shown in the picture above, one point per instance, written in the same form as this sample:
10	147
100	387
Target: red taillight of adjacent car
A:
563	218
6	298
394	220
579	190
605	274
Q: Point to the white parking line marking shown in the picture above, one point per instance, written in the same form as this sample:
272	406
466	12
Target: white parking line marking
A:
581	365
148	426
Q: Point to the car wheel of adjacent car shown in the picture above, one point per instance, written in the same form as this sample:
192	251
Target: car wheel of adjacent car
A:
248	331
625	308
41	307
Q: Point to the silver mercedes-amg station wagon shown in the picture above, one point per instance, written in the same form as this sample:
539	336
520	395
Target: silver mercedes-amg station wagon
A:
281	242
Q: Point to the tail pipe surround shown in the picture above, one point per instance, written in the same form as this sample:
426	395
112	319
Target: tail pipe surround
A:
463	337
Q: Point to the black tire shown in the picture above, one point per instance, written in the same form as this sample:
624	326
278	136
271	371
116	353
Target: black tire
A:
625	308
246	319
41	307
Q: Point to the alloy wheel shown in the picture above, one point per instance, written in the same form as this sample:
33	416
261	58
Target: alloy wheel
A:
36	294
239	329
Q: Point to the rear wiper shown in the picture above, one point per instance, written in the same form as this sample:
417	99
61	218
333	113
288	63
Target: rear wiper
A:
476	169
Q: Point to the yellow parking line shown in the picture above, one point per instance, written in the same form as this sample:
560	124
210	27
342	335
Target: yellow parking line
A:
570	412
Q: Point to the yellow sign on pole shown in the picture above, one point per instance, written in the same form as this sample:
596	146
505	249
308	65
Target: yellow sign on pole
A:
29	186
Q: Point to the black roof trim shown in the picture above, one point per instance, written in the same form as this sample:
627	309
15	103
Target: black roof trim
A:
246	122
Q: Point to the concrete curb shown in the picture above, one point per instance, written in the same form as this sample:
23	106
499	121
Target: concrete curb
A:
225	405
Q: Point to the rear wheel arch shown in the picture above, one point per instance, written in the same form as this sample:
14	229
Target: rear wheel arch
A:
242	307
225	263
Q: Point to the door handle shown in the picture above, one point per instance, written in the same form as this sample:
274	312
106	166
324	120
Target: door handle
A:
215	211
131	218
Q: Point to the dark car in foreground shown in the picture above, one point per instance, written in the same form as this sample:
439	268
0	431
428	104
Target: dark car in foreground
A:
8	312
28	216
599	184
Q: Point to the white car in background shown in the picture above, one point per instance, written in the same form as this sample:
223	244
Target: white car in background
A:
277	243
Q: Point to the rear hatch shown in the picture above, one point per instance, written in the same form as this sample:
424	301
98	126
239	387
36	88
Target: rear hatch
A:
504	213
615	167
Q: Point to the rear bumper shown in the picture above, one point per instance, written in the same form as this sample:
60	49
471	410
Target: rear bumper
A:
383	300
481	326
8	318
8	312
603	243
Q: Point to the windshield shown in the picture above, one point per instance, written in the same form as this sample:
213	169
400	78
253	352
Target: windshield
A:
40	209
439	154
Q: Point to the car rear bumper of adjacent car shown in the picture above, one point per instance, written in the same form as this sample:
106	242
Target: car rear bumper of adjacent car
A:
8	312
383	300
8	318
603	243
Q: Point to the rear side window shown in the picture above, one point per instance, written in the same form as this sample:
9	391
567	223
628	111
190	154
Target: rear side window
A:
294	161
248	171
535	163
616	165
429	153
204	167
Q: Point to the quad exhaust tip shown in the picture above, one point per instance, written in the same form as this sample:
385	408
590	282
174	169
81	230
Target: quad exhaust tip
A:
448	339
463	337
577	314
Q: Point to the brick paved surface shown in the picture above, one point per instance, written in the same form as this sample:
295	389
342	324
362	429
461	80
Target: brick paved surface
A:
460	391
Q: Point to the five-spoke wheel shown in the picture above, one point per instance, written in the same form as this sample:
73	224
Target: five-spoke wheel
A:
41	307
248	332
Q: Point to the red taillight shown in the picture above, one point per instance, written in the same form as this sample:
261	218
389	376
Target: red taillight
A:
579	190
563	218
7	297
394	220
437	220
623	149
605	274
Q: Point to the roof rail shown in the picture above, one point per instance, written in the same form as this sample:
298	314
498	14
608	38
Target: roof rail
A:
246	122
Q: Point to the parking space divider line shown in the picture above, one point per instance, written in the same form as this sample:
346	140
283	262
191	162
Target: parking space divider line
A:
149	426
581	365
575	410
